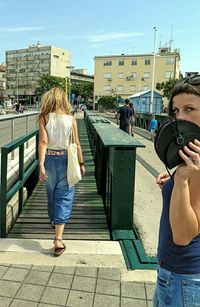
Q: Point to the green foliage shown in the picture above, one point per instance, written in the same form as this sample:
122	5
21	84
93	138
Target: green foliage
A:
46	82
107	102
166	87
83	88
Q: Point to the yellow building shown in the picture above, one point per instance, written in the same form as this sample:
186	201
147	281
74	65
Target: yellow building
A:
124	75
26	66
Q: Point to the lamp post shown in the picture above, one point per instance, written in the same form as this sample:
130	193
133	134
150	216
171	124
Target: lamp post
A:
153	73
69	85
17	89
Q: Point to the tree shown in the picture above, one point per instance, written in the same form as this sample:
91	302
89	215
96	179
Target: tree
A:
166	87
107	102
84	89
46	82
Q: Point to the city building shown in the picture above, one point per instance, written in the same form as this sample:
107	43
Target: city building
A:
124	75
26	66
2	82
81	75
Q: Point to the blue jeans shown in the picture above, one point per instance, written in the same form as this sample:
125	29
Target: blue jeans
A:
176	290
60	197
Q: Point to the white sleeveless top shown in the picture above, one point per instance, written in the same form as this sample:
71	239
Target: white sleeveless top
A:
58	129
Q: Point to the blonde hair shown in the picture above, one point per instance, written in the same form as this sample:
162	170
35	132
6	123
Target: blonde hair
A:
54	100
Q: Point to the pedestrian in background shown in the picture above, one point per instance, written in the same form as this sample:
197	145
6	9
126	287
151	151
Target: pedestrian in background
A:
178	280
55	128
124	116
153	127
132	119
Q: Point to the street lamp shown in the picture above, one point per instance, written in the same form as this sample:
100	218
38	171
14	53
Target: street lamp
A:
17	89
69	85
153	73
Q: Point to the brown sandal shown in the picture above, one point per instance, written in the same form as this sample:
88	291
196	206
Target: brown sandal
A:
59	250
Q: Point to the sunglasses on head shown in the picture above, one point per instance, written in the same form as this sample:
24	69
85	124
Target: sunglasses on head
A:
195	80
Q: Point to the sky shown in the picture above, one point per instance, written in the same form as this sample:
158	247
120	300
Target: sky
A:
89	28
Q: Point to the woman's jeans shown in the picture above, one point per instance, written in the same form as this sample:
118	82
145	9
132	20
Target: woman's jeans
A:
60	196
176	290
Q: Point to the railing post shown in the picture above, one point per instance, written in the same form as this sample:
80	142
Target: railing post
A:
21	174
122	163
12	137
27	129
3	191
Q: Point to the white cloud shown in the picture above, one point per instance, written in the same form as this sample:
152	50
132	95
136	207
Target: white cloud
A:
22	29
96	38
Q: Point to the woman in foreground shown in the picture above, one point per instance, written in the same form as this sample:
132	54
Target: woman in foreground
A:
178	279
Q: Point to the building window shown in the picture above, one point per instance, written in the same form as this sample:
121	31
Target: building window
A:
146	75
119	88
147	62
121	63
134	62
107	63
56	56
132	88
106	88
107	76
170	61
133	75
169	74
120	75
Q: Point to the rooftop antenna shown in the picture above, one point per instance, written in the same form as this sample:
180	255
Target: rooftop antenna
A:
171	37
160	44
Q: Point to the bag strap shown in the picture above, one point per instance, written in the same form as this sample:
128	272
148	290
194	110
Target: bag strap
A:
71	137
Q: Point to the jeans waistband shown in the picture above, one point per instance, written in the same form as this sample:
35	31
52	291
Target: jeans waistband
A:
56	152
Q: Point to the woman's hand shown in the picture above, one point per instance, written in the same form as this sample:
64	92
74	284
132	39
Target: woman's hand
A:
43	176
161	179
191	156
82	167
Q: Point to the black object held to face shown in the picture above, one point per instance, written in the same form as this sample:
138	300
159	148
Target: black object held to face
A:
172	136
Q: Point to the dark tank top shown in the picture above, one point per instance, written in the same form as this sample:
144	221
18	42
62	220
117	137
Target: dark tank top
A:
175	258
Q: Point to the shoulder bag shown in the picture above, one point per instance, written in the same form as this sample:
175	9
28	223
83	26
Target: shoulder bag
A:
73	167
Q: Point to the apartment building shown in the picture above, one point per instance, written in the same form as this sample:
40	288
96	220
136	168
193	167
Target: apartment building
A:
124	75
2	83
26	66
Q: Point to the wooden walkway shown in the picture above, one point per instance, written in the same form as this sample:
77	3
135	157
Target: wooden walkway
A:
88	219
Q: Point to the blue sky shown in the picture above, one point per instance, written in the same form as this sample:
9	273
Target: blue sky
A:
90	28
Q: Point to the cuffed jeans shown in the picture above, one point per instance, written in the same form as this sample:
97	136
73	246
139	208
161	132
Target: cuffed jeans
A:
176	290
60	196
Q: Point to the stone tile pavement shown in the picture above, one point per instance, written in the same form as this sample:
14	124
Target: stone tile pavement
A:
42	286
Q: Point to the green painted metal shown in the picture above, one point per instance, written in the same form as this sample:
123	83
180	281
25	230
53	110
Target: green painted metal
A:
112	136
114	155
5	194
133	250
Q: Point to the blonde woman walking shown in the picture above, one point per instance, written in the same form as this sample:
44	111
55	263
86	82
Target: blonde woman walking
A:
55	127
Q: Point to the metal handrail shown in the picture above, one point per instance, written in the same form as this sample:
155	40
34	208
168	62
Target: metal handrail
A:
6	195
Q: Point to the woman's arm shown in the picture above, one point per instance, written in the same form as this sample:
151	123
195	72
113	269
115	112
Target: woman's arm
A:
79	150
185	199
43	140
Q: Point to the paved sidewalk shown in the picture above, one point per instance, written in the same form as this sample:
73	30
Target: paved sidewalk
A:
33	285
88	274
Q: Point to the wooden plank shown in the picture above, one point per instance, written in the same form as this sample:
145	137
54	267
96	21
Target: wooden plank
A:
88	219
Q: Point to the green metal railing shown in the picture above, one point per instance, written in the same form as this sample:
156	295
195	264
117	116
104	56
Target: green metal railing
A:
114	154
143	120
5	193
